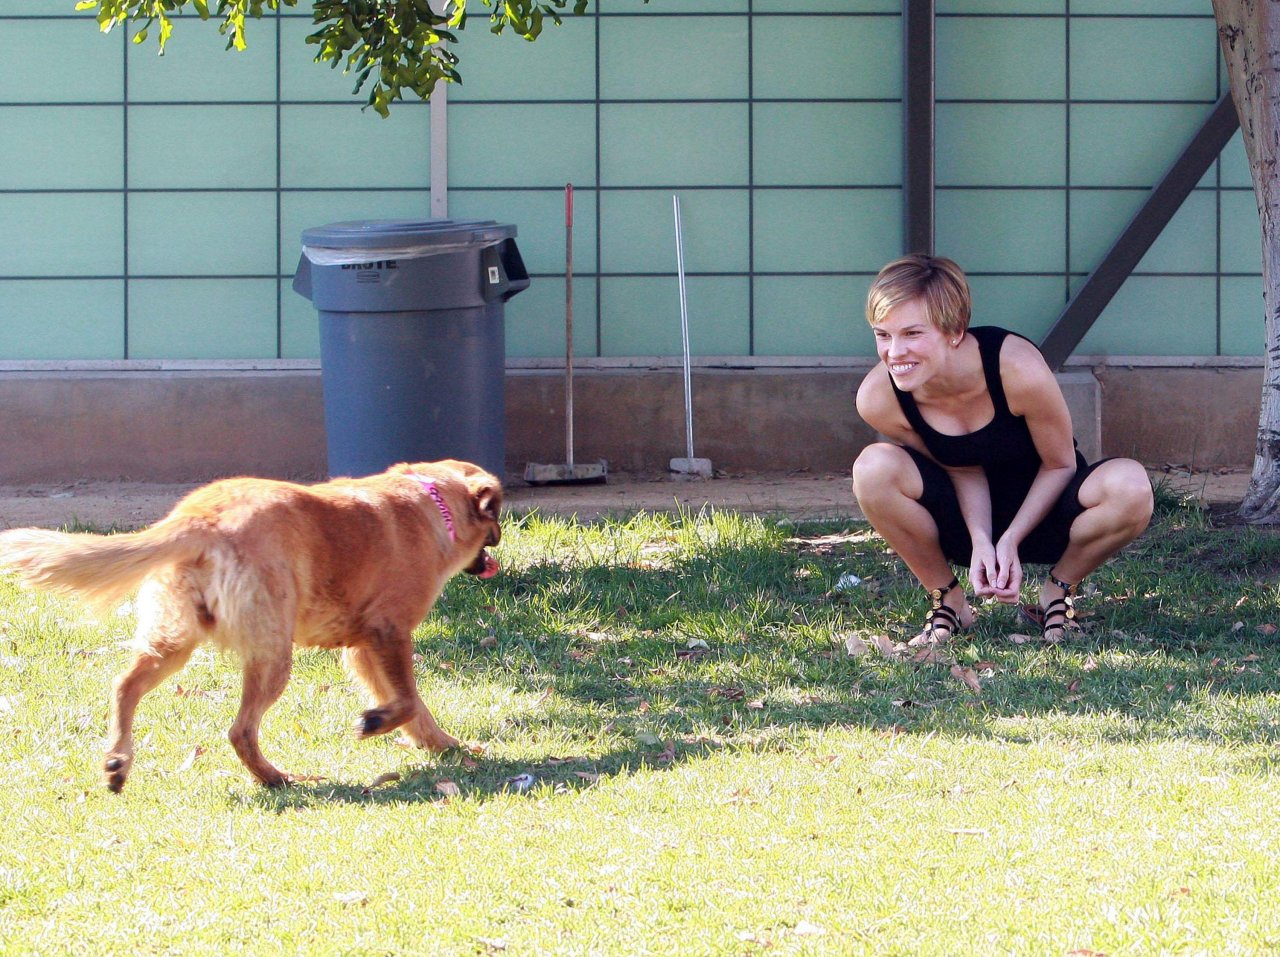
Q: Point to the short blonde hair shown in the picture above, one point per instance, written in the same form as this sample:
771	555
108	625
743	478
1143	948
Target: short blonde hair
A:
936	281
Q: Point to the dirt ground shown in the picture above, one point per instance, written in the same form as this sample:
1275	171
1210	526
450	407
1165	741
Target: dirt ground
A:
797	495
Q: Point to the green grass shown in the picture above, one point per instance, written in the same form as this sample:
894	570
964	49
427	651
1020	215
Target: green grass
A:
712	772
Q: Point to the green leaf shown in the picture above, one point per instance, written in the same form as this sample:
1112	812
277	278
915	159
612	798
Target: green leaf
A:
86	4
140	36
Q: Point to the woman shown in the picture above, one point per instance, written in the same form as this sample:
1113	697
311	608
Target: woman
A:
984	471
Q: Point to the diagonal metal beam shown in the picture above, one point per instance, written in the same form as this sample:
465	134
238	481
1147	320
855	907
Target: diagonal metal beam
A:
1187	170
917	125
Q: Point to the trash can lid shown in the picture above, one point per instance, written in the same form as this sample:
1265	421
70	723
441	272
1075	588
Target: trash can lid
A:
388	233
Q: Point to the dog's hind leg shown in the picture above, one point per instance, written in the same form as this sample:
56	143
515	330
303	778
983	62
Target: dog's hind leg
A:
149	668
386	668
167	634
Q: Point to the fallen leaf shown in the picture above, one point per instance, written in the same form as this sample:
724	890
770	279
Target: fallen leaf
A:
968	676
1090	664
930	654
488	642
1267	629
448	789
668	753
493	943
697	644
1252	658
521	782
729	694
757	705
807	929
351	897
855	647
1020	639
380	780
587	776
1074	686
884	645
1238	626
189	763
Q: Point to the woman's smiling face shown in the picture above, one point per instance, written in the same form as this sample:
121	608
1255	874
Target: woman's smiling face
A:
909	345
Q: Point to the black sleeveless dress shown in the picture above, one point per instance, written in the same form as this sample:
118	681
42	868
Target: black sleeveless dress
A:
1003	448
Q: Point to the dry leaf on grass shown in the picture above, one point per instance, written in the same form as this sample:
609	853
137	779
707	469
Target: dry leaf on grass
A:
968	676
855	647
884	645
195	753
351	898
448	788
807	929
1267	629
380	780
931	655
1021	639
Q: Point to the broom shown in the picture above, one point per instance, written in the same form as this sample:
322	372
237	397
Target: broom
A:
568	473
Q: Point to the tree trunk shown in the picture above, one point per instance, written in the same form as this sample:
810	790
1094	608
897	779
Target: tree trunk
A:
1249	33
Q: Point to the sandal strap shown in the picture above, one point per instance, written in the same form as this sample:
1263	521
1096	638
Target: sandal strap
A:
942	617
1067	587
937	593
1062	609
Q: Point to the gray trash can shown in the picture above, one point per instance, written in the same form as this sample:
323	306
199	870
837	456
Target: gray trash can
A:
412	352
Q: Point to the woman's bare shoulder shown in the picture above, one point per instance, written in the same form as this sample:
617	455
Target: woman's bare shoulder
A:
877	404
1025	375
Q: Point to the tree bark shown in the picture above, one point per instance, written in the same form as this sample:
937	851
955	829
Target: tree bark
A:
1249	34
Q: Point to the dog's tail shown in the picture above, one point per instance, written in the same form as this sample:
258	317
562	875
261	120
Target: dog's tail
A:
101	569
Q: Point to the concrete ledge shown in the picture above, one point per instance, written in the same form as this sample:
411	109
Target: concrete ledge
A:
192	422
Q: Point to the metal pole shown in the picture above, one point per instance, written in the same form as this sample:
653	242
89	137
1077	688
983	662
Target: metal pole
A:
568	326
684	331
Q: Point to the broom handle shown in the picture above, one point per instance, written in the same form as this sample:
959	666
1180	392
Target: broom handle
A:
568	325
684	330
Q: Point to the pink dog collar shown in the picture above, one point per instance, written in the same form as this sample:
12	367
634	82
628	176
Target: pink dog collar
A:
429	487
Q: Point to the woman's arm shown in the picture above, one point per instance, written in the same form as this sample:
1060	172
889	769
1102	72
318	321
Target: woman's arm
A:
879	408
1033	392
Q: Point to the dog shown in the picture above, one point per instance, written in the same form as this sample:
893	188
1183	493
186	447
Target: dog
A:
257	566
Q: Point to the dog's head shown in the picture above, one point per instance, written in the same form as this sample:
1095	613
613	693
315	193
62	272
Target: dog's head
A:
476	525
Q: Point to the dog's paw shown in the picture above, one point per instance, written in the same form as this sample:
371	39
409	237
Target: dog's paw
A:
372	722
115	770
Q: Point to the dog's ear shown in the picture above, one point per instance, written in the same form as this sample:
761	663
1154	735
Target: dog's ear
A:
487	501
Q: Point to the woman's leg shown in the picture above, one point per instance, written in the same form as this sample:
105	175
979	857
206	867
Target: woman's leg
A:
888	487
1117	501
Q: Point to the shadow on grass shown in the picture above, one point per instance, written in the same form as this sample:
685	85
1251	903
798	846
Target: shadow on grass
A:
662	658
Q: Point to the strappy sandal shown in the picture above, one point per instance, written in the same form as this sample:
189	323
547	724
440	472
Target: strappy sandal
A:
1057	616
943	622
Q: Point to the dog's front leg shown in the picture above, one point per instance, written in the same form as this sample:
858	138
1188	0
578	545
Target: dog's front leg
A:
386	669
265	676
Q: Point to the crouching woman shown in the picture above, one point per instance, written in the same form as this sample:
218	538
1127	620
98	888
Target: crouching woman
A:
981	468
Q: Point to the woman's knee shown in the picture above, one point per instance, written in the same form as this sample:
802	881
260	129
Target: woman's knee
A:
882	469
1125	489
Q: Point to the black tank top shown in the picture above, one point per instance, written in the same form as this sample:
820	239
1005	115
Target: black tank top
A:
1003	447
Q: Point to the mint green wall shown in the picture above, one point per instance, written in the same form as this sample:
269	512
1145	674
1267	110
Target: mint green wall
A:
152	206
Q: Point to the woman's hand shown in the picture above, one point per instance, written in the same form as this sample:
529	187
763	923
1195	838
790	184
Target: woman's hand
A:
984	569
1007	582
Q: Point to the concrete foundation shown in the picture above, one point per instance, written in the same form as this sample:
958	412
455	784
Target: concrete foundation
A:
163	423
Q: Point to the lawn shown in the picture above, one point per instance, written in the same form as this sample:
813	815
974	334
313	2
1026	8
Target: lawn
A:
676	752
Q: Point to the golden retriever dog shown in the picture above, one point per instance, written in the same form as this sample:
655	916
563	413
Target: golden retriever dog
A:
257	566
